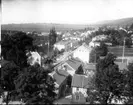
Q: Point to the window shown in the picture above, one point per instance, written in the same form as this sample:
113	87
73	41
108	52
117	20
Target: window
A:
77	96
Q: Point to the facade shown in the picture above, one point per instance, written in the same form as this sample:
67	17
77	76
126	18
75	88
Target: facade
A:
83	53
90	69
79	88
60	77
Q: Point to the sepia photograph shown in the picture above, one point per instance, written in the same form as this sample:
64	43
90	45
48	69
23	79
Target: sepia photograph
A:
66	52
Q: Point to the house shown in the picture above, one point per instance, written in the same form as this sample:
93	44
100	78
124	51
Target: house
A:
65	44
60	77
83	53
121	65
99	38
80	83
90	69
60	45
108	44
33	57
71	65
94	44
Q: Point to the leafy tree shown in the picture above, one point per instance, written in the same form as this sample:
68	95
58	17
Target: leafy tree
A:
52	37
94	56
102	50
131	27
130	76
109	81
35	86
14	48
79	70
9	73
98	51
129	87
128	42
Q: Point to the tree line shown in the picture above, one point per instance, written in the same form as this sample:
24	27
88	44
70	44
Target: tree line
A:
30	84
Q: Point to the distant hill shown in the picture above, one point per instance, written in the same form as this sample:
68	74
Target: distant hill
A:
45	27
117	22
42	27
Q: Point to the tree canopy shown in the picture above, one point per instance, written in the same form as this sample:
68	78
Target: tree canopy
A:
34	85
14	48
108	80
98	51
52	37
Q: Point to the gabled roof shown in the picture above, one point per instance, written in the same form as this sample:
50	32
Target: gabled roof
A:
74	63
80	81
60	76
90	66
85	46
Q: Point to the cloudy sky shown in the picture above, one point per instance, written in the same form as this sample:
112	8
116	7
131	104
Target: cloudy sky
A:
64	11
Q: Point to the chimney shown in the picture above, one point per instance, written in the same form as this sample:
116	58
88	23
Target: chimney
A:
65	67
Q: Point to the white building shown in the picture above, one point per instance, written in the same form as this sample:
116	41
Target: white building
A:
66	44
83	53
99	38
94	44
34	57
61	45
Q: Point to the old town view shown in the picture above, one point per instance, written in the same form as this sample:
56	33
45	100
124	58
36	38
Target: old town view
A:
66	52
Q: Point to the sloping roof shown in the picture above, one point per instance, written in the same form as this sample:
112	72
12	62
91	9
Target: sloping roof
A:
90	66
60	76
85	46
121	65
80	81
74	63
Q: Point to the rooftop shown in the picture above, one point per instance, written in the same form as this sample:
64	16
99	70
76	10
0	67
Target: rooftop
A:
60	76
80	81
74	63
121	65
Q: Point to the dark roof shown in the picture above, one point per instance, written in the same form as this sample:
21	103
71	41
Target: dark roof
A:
80	81
74	63
60	76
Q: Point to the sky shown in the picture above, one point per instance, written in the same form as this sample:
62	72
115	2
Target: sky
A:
64	11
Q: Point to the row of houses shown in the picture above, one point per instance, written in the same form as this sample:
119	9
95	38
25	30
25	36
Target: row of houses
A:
68	66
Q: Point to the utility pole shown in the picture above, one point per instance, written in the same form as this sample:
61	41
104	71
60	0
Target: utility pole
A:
48	47
123	51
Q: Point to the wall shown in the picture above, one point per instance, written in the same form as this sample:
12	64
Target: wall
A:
82	54
82	95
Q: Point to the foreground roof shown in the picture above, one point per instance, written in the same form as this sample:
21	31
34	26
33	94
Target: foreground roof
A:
74	63
80	81
60	76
